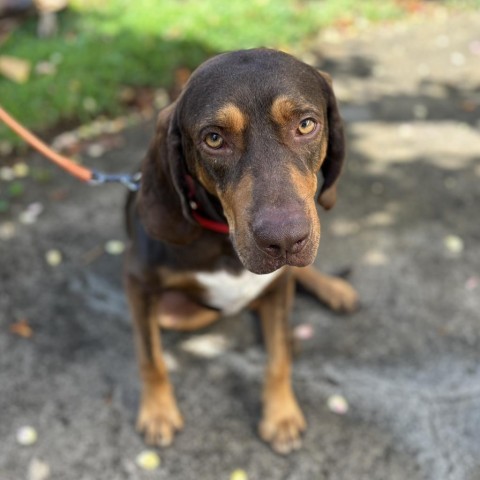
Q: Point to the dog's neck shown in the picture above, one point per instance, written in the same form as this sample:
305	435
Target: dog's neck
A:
205	208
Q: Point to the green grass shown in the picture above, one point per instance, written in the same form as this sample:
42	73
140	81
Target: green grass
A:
100	50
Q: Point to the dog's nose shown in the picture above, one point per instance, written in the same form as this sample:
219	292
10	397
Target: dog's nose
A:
280	232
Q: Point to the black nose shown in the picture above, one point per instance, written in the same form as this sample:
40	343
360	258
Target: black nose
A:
281	231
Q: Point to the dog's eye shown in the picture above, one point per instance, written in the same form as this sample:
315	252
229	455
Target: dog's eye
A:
307	126
214	140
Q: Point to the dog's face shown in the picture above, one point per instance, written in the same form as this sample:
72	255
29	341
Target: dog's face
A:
254	128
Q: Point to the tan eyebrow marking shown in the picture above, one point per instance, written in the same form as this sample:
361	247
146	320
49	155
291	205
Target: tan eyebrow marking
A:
232	118
282	109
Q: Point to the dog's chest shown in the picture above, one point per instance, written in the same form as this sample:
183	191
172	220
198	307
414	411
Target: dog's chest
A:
230	293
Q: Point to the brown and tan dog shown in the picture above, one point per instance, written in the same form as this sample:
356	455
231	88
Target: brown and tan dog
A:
240	148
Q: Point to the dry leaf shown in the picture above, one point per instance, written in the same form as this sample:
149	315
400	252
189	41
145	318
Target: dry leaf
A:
7	230
114	247
53	258
304	331
38	470
207	346
454	244
472	283
22	329
27	436
15	69
148	460
239	475
21	170
7	174
337	404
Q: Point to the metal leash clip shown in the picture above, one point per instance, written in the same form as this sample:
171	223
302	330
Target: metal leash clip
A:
132	182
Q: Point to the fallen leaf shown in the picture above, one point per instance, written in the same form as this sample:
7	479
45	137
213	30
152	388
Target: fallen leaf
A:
161	99
6	148
170	362
95	150
453	244
26	436
472	283
21	170
303	331
207	346
7	174
45	68
15	69
31	214
114	247
375	258
38	470
22	329
337	404
148	460
239	475
7	230
65	141
53	258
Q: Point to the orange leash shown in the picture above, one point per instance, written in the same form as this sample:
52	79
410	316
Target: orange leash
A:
71	167
132	182
82	173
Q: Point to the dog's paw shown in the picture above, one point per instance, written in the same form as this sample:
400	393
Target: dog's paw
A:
159	418
340	296
282	427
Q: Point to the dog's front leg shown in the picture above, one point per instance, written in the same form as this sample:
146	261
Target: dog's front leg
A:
158	417
283	422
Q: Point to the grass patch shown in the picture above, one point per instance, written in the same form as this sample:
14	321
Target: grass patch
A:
101	49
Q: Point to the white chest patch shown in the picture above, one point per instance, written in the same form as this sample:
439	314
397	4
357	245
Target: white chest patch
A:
230	293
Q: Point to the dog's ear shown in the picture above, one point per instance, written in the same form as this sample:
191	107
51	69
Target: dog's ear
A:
162	202
334	158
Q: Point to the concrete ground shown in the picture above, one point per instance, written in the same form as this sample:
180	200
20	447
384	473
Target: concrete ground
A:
408	363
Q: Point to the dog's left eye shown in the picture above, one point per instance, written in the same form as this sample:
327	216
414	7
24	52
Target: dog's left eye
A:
214	140
306	126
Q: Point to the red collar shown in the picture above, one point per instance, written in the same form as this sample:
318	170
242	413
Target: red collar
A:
209	224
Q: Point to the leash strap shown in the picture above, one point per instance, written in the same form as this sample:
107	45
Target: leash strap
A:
93	177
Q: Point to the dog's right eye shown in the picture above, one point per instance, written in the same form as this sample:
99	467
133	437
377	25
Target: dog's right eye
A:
307	126
214	140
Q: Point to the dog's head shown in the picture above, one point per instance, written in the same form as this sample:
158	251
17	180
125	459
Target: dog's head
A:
253	129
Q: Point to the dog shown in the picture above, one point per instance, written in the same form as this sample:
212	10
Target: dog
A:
225	219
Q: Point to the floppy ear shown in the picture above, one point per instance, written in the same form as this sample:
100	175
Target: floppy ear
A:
161	201
334	158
